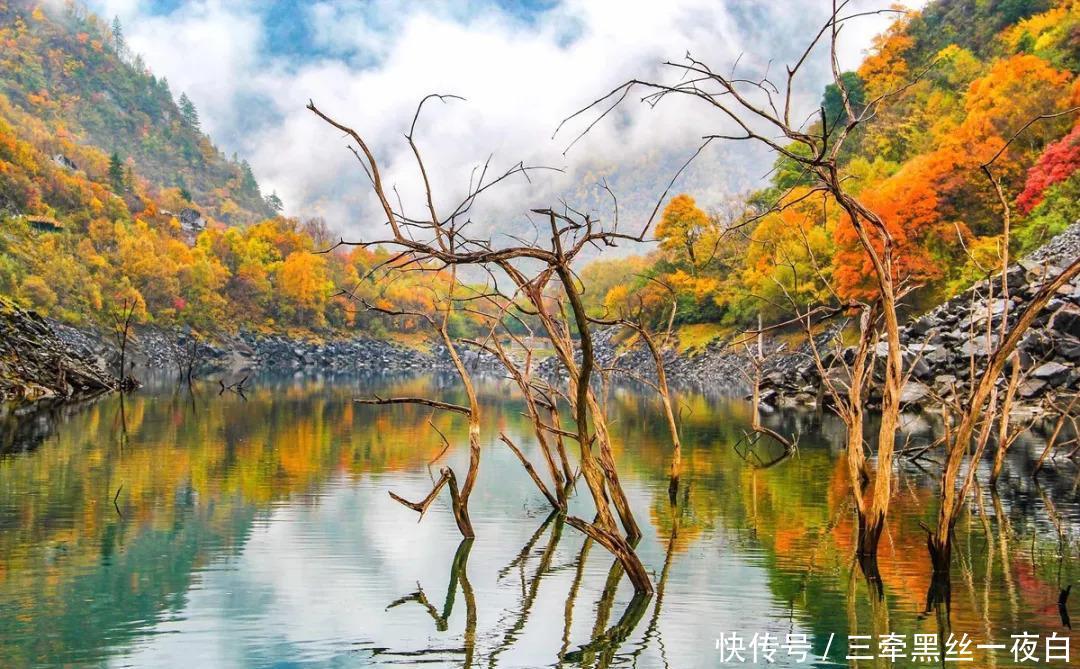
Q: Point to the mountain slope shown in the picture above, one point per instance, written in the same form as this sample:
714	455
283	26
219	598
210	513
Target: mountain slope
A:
74	74
957	81
110	195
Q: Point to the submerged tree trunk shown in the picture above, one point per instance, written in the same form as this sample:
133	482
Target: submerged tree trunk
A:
956	479
460	505
459	497
939	595
597	470
866	552
665	394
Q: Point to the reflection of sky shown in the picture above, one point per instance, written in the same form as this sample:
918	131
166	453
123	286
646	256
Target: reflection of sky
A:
312	584
213	574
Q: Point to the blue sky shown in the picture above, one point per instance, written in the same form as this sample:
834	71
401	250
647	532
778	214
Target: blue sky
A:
289	28
523	65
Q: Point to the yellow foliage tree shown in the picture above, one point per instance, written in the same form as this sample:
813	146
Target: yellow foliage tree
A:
303	281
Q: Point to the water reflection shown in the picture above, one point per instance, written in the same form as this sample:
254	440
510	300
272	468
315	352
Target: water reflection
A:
257	530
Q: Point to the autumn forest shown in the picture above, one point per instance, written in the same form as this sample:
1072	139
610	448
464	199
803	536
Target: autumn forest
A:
825	415
146	208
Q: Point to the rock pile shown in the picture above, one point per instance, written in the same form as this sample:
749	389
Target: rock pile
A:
154	349
35	364
945	346
357	354
721	367
718	360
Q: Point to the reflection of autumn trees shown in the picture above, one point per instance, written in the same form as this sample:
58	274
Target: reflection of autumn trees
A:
235	456
283	440
797	520
194	480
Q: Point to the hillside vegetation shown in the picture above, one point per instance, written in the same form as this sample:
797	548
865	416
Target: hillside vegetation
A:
967	76
110	194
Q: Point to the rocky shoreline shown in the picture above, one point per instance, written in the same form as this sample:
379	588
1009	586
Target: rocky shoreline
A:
941	347
45	359
35	364
944	347
155	350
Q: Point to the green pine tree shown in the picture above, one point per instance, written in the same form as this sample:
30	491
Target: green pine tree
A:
274	202
184	192
188	112
247	179
116	173
118	36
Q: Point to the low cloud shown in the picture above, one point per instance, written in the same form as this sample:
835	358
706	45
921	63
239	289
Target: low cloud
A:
368	64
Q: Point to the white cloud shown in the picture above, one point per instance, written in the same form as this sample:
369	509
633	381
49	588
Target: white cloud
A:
520	77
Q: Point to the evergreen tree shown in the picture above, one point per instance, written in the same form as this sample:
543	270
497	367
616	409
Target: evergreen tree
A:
833	101
116	173
118	36
184	192
188	112
274	202
247	179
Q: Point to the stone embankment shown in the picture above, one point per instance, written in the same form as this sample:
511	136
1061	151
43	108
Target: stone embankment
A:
156	350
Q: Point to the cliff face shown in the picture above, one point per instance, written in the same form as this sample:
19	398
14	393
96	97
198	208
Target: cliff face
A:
34	364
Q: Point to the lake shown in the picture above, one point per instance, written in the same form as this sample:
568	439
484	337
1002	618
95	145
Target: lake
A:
177	528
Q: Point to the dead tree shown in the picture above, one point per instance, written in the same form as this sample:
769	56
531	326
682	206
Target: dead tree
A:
597	468
1065	414
535	400
635	320
187	359
758	359
969	431
459	496
121	332
762	112
846	385
442	242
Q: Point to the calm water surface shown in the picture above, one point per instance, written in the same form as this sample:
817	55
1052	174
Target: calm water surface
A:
183	529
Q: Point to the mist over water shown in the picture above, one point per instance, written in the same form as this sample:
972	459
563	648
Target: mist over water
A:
169	528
